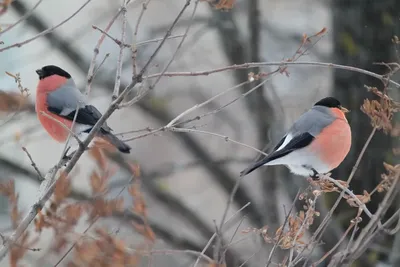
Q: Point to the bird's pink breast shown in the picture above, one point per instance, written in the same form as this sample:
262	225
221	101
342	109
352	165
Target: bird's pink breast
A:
57	131
333	143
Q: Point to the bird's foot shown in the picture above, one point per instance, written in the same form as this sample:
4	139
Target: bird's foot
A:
315	175
67	157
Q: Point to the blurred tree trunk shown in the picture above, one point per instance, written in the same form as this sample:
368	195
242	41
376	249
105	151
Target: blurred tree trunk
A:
363	30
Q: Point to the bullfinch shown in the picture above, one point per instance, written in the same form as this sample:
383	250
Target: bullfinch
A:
58	98
315	144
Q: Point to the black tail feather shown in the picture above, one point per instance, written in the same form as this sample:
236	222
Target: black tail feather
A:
115	141
253	167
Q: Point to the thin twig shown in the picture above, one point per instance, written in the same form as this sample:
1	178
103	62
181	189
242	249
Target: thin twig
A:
283	227
225	105
121	53
226	138
229	203
158	40
336	246
251	256
46	31
360	243
276	63
118	42
22	18
90	75
179	45
353	234
65	127
40	176
134	43
167	34
215	234
100	65
306	219
139	77
173	251
350	193
173	121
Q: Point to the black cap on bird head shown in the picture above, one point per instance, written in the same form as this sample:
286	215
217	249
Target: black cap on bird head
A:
331	102
50	70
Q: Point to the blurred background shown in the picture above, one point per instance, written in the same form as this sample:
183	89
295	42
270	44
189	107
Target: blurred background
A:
187	177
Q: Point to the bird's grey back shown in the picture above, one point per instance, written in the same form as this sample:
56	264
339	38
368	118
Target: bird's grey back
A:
66	98
313	121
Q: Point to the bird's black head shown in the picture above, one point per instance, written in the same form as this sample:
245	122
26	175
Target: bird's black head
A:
331	102
49	70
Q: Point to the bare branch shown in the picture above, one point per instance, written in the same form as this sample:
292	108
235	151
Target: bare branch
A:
121	53
90	75
40	176
280	64
22	18
46	31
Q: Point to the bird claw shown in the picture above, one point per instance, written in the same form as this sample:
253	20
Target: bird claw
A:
315	175
67	157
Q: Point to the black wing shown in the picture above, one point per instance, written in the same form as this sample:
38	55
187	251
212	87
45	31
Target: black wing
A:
88	115
299	141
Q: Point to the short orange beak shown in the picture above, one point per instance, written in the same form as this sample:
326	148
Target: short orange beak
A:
344	110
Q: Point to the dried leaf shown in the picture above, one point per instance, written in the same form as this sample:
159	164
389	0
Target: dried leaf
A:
102	144
135	169
221	4
10	101
62	188
8	190
98	183
105	208
72	213
388	177
365	198
395	130
96	153
321	32
381	112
